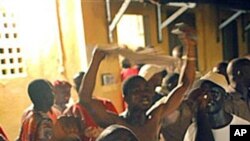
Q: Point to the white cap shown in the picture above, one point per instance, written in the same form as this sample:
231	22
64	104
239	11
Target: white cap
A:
148	70
216	78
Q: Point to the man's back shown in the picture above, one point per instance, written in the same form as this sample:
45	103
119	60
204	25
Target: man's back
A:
36	126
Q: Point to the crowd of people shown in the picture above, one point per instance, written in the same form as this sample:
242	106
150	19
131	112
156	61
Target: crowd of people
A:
164	100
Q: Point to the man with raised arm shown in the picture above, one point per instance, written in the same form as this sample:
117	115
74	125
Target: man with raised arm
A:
145	121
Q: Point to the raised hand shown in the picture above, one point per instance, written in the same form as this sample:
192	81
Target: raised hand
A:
198	98
186	34
99	54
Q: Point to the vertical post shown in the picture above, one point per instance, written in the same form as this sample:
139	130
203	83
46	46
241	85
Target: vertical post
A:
159	25
61	68
108	12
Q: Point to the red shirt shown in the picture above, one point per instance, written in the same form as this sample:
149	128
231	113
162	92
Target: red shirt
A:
80	111
125	73
53	113
36	126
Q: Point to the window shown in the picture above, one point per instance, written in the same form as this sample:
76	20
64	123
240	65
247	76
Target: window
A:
130	31
11	57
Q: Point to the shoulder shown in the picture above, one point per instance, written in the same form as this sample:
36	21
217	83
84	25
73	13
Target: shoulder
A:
234	97
36	119
239	120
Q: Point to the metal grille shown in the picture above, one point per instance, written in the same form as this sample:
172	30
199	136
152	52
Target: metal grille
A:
11	56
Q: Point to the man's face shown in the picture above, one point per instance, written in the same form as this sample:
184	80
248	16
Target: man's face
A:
62	95
140	96
239	76
212	98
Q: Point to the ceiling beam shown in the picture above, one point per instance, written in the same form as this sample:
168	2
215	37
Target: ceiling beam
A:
230	19
118	16
161	25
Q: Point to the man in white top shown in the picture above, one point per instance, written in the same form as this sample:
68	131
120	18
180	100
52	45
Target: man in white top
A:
212	123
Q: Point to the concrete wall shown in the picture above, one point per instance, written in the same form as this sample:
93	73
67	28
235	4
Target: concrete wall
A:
40	42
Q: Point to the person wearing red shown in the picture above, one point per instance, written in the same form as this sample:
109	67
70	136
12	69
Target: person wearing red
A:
128	70
92	130
62	91
37	125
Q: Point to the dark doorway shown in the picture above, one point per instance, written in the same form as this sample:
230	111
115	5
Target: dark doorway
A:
230	41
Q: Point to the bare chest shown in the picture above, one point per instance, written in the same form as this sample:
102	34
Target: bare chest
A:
149	131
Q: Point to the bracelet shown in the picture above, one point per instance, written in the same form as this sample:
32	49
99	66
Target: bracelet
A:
188	58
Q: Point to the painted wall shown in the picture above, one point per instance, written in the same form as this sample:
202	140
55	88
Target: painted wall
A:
40	41
209	50
96	32
210	43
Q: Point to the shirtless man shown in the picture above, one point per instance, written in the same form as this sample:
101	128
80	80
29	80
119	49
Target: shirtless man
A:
145	121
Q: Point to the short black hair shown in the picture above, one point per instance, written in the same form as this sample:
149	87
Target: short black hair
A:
238	64
164	73
171	81
126	63
37	88
130	82
117	132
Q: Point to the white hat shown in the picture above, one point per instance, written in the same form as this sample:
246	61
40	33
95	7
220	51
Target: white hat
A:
148	70
216	78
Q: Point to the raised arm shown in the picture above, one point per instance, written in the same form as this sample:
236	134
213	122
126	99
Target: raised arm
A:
186	79
94	106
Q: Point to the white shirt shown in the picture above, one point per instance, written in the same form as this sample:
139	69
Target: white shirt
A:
222	134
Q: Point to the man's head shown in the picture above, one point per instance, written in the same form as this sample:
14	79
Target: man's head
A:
137	93
238	71
211	90
78	79
153	74
126	63
170	82
41	94
62	92
117	133
221	68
